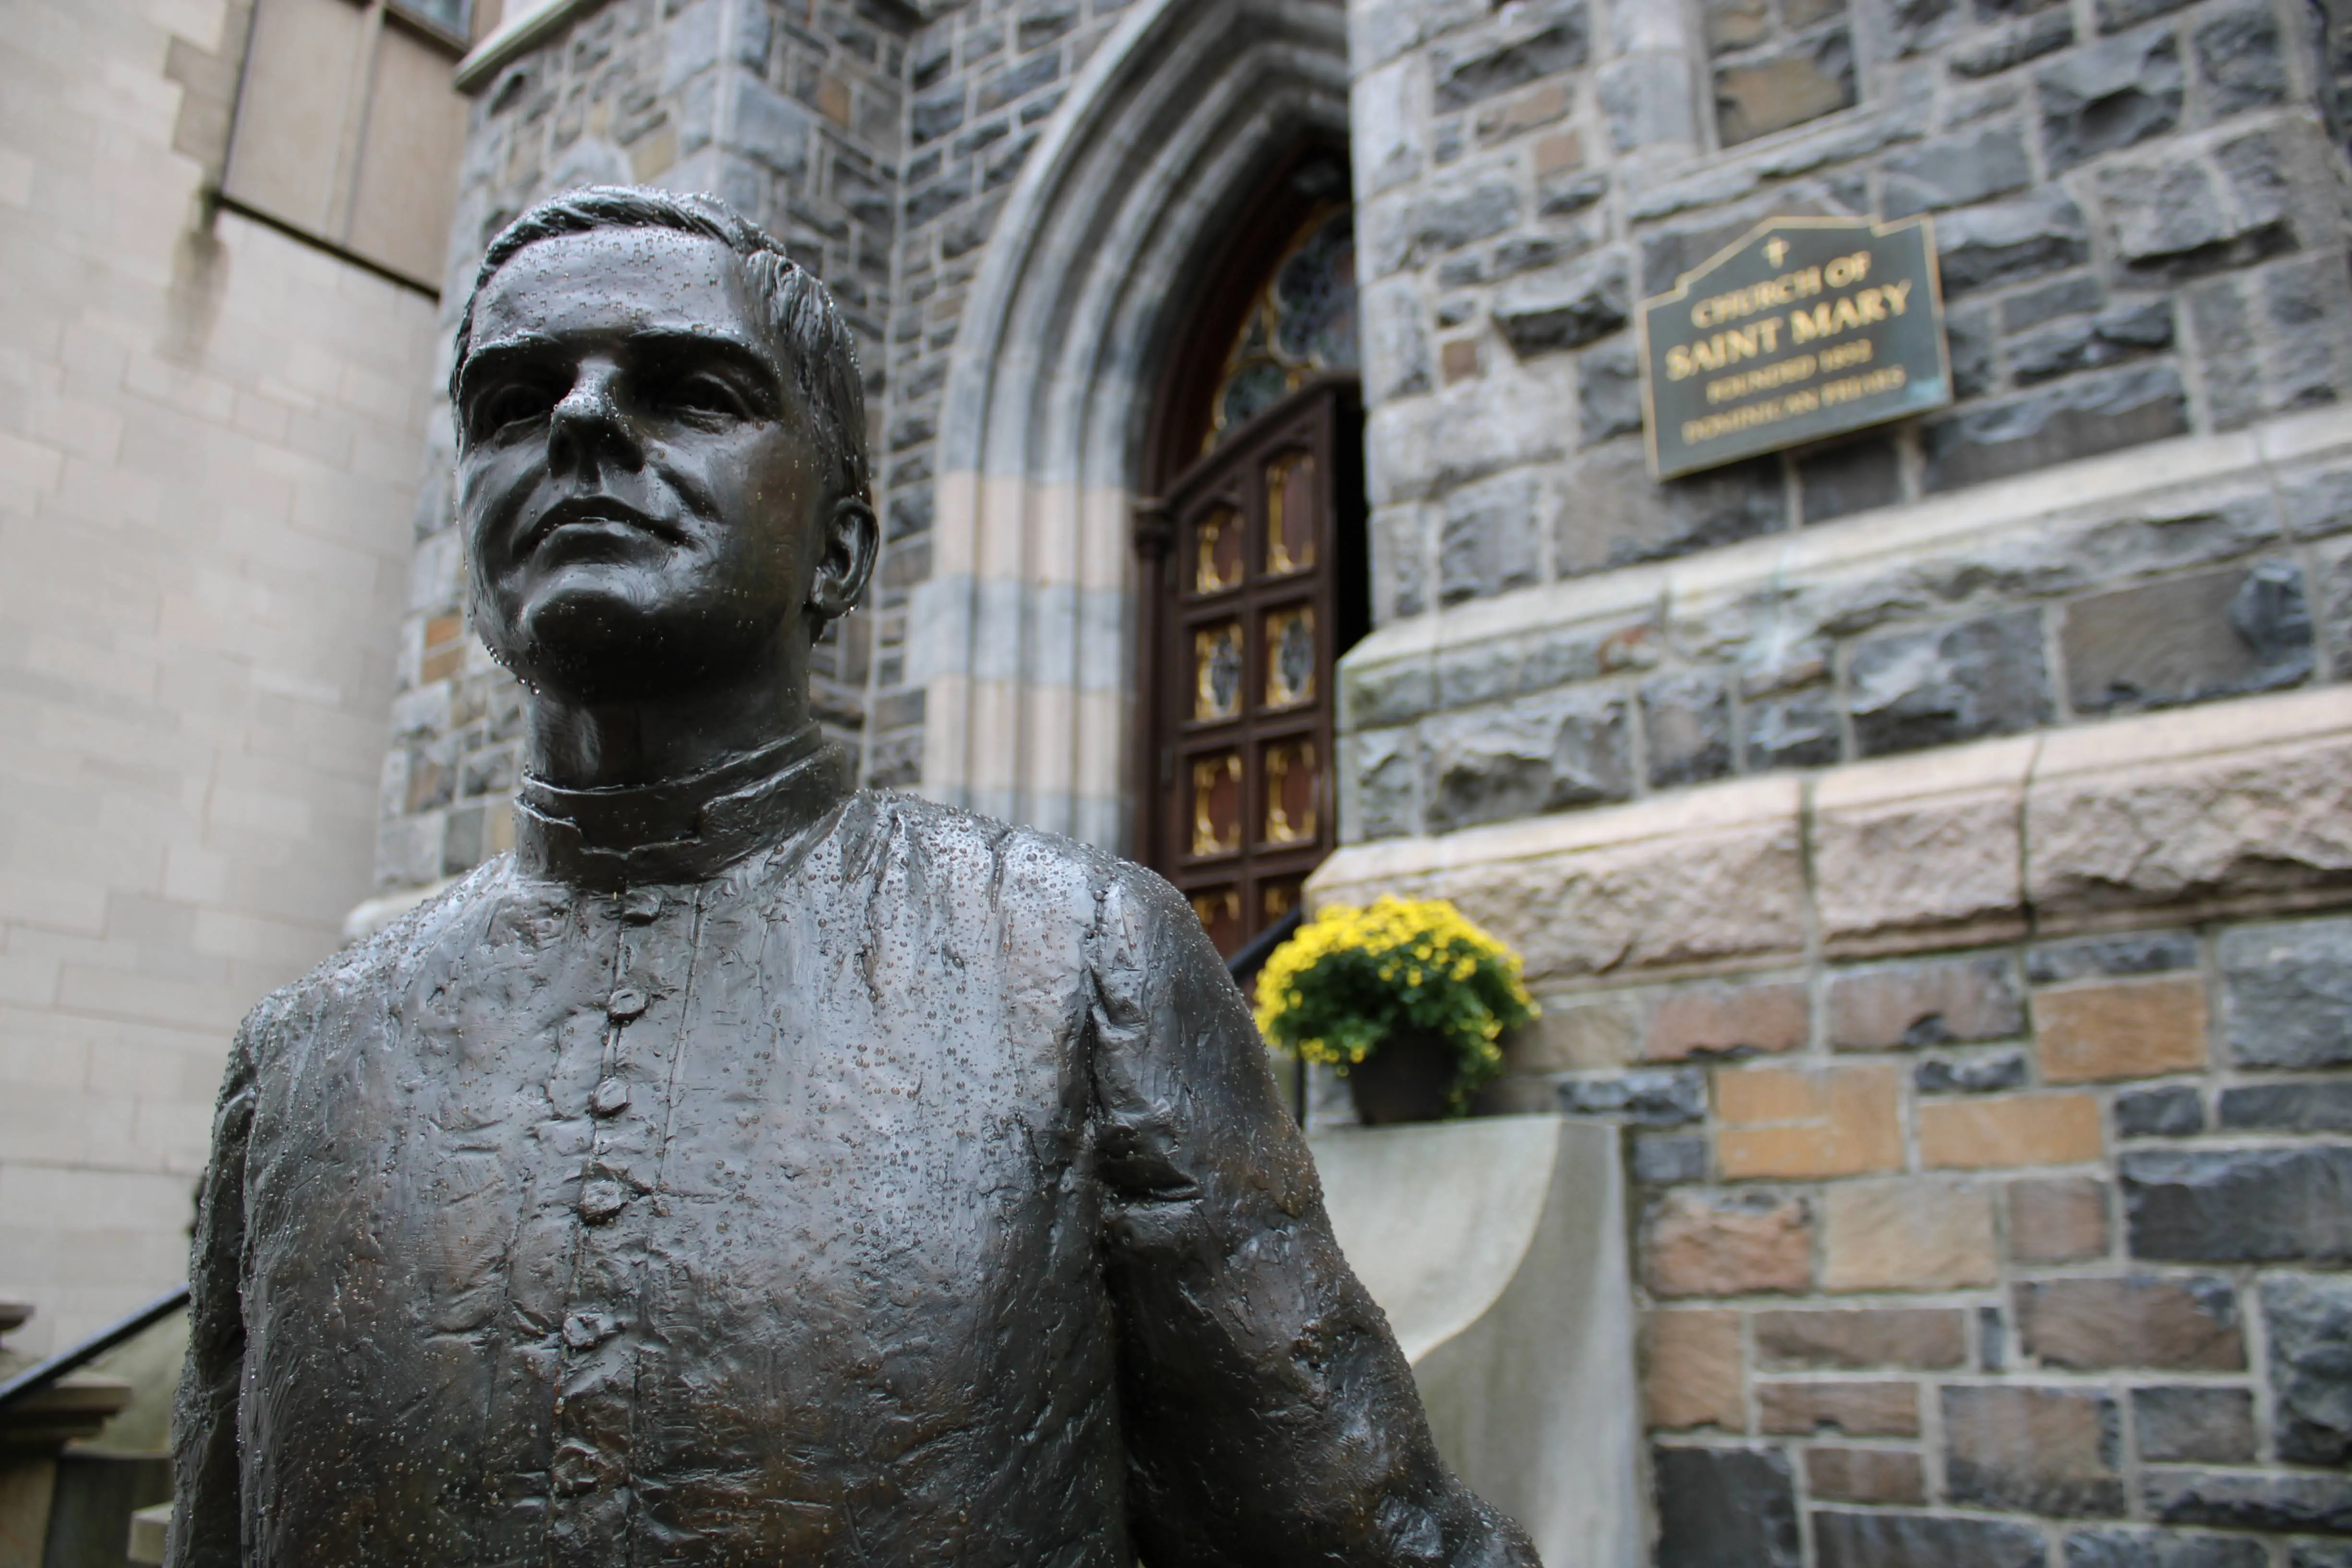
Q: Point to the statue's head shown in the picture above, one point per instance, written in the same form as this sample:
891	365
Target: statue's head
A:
661	447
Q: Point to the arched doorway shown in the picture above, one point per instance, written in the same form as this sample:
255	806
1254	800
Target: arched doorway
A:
1023	637
1252	577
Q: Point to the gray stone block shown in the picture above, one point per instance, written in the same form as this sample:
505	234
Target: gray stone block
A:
1409	231
1607	393
2240	61
1667	1160
1725	1508
2194	1426
2007	242
2112	95
1916	688
2016	45
2136	952
1858	476
2335	593
2250	1205
1566	309
1385	772
2286	1503
2080	417
2320	1554
2288	993
1490	538
2188	640
2310	1320
1615	515
2178	220
1378	695
1686	721
1649	1097
1957	171
2161	1549
2066	297
2303	1107
2170	1111
1563	45
1923	1541
1792	730
1547	754
2111	337
1981	1072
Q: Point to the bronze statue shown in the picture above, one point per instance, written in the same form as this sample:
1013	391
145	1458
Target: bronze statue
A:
748	1170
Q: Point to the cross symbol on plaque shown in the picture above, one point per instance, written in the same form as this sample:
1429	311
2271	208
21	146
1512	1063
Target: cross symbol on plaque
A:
1776	250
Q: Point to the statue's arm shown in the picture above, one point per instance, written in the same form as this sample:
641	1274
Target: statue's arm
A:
1270	1416
206	1504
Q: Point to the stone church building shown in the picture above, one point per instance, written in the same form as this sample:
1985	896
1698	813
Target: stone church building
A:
1932	843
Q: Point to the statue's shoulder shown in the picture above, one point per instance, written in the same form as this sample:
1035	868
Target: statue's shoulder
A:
1012	858
371	966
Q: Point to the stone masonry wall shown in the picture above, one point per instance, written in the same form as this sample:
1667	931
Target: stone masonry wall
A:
2141	222
2016	1244
877	141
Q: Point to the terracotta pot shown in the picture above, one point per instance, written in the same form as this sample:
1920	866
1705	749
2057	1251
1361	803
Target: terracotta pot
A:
1406	1078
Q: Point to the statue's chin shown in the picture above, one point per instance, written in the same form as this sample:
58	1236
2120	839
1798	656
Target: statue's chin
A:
595	647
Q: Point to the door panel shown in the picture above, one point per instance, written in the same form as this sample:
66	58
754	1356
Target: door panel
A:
1263	589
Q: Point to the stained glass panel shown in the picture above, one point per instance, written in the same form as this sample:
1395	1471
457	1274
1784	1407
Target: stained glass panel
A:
1290	657
1217	671
1217	552
1291	787
1217	803
1290	512
1302	323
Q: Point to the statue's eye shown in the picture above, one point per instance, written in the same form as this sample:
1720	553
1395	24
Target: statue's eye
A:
515	403
700	392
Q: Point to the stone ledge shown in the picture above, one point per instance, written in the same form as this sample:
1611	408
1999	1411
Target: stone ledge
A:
2236	807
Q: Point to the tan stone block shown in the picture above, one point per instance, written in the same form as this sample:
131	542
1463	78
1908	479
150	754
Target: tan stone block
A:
1558	153
2057	1219
1808	1122
1918	845
2089	1033
2091	1325
1457	360
1709	876
1857	1409
2238	800
2010	1130
1573	1033
1913	1233
1727	1244
1924	1338
1720	1019
1692	1373
1865	1475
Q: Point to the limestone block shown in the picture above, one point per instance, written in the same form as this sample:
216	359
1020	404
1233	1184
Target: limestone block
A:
1691	1371
2249	799
1727	1244
2011	1130
1911	845
1800	1122
2045	1450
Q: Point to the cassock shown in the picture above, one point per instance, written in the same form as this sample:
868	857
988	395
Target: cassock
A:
749	1171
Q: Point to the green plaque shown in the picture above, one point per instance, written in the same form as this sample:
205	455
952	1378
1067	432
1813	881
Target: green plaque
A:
1805	329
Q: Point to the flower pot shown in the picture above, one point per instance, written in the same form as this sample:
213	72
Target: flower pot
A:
1406	1078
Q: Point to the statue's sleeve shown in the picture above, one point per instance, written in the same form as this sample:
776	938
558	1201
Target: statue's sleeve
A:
206	1508
1270	1417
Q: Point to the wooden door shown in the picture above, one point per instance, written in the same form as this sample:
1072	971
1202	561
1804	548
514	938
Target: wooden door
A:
1259	591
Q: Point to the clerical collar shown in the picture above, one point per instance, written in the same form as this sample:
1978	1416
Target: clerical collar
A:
687	830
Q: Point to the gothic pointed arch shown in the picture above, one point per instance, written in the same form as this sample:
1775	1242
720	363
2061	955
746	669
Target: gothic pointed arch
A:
1024	636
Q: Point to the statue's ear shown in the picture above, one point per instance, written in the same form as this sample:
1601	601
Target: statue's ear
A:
851	539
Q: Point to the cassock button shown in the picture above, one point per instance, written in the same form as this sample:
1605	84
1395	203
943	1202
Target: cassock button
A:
641	907
626	1003
611	1098
600	1200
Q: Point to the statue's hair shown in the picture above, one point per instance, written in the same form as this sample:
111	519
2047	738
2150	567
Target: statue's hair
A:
808	333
